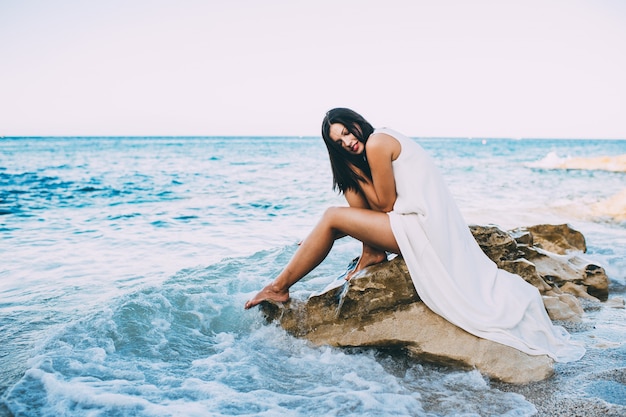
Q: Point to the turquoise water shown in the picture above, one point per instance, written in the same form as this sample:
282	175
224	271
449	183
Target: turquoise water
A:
126	263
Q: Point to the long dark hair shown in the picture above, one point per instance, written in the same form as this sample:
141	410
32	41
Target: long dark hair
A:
344	178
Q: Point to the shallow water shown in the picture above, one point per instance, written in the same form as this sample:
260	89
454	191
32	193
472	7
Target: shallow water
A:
126	263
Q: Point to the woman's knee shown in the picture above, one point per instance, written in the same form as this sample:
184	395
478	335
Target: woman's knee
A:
332	212
333	216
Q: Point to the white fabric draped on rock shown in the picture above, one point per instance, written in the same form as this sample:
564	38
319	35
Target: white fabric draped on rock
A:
451	273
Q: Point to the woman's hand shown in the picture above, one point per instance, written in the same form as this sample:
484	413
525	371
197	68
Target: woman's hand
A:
363	197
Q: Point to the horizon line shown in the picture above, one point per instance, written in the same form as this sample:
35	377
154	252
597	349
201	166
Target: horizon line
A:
291	137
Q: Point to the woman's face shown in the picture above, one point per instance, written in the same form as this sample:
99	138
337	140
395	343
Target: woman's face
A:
340	135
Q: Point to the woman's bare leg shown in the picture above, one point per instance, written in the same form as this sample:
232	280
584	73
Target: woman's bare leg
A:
369	226
369	256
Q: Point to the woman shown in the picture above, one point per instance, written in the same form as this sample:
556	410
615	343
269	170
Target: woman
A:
399	203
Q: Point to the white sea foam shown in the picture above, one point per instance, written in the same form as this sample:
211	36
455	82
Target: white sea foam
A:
550	161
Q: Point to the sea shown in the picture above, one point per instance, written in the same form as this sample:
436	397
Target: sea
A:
125	263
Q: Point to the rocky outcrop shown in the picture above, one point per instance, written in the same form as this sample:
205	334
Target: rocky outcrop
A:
379	307
547	256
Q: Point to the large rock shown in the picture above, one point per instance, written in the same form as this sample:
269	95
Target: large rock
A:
547	256
379	307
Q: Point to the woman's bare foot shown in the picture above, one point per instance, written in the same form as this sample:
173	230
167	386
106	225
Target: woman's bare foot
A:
268	293
370	256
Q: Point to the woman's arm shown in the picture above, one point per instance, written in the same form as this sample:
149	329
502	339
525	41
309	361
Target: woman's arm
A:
356	199
380	193
370	255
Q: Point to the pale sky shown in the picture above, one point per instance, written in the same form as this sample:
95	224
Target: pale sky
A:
439	68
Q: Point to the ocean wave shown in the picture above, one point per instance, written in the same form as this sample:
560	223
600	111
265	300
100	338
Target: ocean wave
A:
187	347
552	160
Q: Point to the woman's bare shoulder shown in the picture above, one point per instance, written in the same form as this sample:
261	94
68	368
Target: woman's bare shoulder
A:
383	142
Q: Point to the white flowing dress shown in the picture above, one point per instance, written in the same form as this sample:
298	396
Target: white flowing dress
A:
453	276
